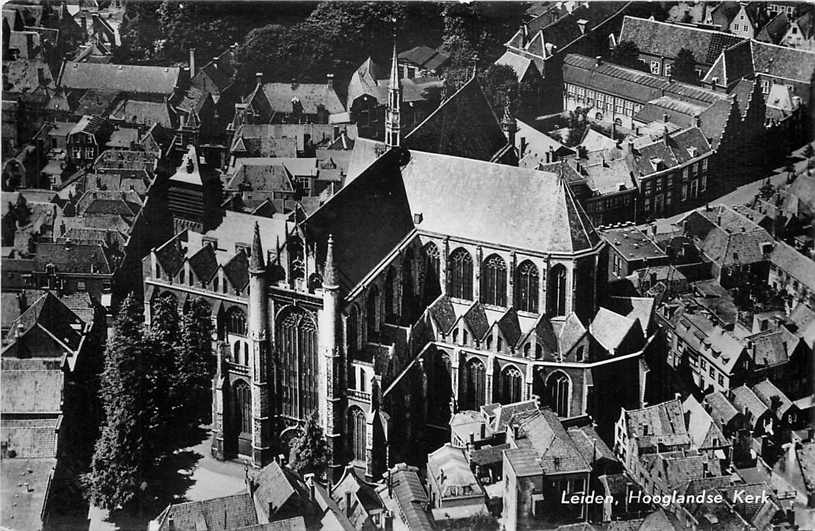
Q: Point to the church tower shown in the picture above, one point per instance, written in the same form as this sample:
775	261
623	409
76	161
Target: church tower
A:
258	361
392	117
330	360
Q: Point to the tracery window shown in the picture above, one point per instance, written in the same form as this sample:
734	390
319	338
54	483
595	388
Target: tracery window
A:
526	287
494	281
460	270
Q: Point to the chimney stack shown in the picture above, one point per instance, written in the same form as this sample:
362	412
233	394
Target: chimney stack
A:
259	78
192	62
329	81
348	503
598	60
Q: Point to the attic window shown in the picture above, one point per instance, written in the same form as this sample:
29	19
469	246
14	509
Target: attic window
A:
212	242
658	164
692	151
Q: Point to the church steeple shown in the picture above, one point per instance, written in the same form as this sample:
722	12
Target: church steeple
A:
256	263
392	118
330	270
508	124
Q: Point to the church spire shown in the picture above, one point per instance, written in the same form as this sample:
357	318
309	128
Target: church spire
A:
330	270
256	264
392	118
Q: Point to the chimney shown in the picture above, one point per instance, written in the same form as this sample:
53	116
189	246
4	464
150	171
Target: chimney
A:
665	117
388	521
171	523
581	23
483	431
665	135
192	62
41	76
329	81
598	60
522	148
259	78
348	503
697	120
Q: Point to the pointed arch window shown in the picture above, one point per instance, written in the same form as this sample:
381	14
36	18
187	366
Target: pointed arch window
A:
474	384
556	301
296	336
356	429
297	267
236	321
526	287
511	383
243	406
460	269
351	329
557	390
494	281
371	311
390	288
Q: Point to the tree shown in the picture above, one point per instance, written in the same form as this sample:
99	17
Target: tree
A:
162	345
310	452
194	364
122	456
684	67
481	521
626	53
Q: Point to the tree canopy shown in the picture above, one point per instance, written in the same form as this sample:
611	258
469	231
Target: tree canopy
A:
626	53
684	67
310	452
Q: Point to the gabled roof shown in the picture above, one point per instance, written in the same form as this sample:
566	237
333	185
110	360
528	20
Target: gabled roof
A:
745	399
170	257
703	431
772	397
124	78
476	319
227	512
464	125
237	270
610	328
310	95
50	315
278	487
443	313
721	409
204	263
662	39
658	424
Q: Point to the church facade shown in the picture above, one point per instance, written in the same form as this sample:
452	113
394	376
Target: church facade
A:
428	284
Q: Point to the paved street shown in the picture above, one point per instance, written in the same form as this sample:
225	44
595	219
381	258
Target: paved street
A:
198	476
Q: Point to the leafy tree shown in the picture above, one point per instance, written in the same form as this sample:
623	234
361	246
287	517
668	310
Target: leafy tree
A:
626	53
481	521
684	67
478	28
122	456
310	452
194	364
162	345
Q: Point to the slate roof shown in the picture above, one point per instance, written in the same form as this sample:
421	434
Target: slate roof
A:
773	347
783	62
767	392
76	258
170	257
278	486
411	497
424	56
255	177
204	263
221	514
464	125
665	424
144	112
556	451
124	78
51	315
310	95
721	409
659	38
789	260
744	397
510	327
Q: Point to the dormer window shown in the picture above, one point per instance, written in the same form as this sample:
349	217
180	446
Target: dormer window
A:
658	164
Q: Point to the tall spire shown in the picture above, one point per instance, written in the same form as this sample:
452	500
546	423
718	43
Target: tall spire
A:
392	117
330	269
256	257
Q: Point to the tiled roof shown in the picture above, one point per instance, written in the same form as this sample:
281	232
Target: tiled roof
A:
23	75
451	471
794	263
556	451
721	409
610	328
310	95
23	508
783	62
170	257
425	57
510	327
124	78
773	347
267	178
662	39
702	430
745	398
50	314
518	63
658	424
144	112
768	393
411	497
221	514
566	29
278	487
76	258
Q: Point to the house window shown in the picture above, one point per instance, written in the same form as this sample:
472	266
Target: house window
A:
526	287
685	173
494	281
667	69
460	267
703	183
684	192
704	165
765	86
89	153
655	67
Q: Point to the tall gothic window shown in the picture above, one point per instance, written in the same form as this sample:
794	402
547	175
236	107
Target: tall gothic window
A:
390	288
494	281
356	431
297	344
511	381
371	310
474	384
557	391
432	283
236	321
556	299
460	272
243	406
526	287
352	329
408	289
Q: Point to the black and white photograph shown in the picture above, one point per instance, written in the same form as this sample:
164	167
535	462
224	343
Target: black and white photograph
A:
407	265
